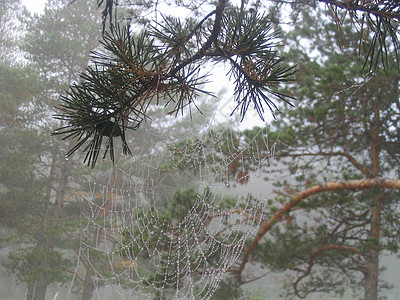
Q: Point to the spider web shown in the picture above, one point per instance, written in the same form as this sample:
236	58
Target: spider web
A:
139	237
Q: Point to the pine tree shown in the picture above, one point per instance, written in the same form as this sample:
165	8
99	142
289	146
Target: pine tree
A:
343	152
35	177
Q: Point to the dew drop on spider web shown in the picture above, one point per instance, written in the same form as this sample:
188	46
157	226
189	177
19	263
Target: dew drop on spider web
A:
159	222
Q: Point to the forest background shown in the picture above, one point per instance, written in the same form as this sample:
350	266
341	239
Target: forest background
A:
341	137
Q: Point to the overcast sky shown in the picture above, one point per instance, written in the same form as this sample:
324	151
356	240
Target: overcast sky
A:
35	6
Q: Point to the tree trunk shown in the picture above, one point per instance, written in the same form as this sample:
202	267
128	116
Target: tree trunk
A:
40	292
372	256
88	285
37	290
61	190
31	291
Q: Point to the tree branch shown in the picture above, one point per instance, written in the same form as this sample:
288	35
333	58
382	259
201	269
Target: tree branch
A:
370	8
351	159
296	199
315	255
212	39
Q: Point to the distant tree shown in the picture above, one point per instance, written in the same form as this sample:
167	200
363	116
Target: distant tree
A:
23	203
21	196
35	177
343	151
10	29
58	43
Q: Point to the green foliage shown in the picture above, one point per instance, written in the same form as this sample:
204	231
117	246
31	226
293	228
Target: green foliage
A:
228	289
169	220
32	264
19	145
182	203
58	44
164	65
34	175
248	42
342	119
18	85
17	166
258	294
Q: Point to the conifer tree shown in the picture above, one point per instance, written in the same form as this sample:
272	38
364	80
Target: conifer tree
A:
35	177
343	154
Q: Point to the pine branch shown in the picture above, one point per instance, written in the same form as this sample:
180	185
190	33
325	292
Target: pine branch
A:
160	65
212	39
386	9
382	17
